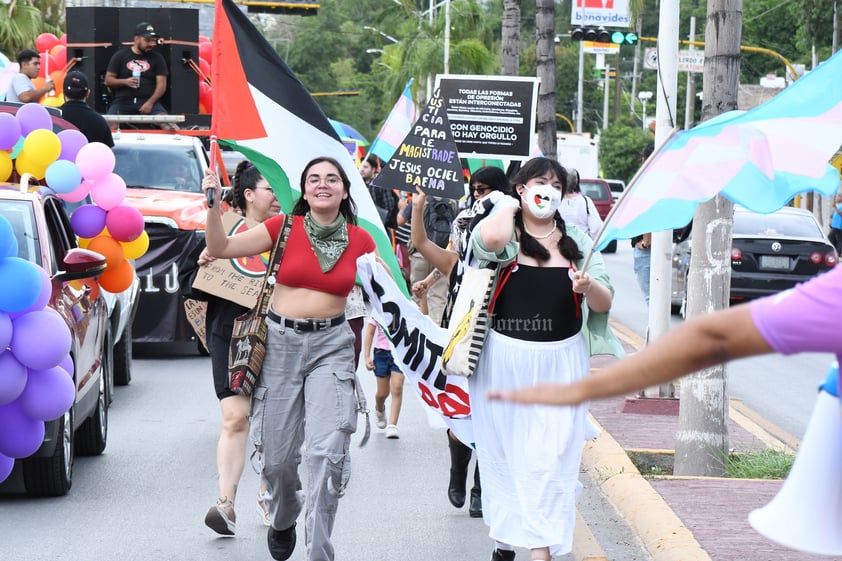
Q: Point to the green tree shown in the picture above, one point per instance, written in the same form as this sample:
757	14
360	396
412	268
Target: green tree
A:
22	21
620	149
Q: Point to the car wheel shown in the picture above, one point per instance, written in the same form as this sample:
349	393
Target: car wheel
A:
611	247
52	476
122	358
93	434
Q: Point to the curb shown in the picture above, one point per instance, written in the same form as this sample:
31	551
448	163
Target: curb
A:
660	530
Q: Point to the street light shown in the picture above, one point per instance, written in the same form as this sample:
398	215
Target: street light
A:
644	97
384	35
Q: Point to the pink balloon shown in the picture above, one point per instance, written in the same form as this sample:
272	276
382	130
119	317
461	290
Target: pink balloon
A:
108	191
40	340
88	220
71	142
206	52
78	194
12	378
6	465
124	223
20	435
95	160
33	116
48	394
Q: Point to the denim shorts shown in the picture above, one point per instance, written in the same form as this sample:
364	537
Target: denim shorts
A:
384	364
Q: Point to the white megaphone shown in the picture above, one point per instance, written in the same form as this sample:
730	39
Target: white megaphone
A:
806	514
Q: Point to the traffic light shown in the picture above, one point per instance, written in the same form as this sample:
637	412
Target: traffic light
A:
602	35
624	38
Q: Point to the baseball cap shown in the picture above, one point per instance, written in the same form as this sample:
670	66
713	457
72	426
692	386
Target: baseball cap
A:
145	29
75	84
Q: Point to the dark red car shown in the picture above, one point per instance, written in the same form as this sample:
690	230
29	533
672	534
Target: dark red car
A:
44	235
600	193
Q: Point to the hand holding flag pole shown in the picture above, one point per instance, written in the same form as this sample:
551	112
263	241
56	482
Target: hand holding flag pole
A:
213	155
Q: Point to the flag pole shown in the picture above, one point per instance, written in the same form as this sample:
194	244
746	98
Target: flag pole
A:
623	195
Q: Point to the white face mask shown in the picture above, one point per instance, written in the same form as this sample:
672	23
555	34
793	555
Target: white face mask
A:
542	200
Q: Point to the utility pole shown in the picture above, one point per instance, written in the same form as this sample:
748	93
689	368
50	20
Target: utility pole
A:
690	104
660	277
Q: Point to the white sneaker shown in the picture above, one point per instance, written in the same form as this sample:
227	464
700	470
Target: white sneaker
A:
380	418
392	432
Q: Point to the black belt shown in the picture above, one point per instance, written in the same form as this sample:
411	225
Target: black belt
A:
306	325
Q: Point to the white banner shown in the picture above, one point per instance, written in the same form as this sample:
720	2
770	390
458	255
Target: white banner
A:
417	345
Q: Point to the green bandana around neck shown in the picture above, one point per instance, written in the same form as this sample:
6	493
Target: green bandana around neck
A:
328	242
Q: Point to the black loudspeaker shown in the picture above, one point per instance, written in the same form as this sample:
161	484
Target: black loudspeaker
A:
178	28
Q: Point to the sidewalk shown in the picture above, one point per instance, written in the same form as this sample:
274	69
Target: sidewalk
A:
683	518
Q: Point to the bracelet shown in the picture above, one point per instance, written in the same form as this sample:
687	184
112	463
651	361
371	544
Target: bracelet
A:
436	274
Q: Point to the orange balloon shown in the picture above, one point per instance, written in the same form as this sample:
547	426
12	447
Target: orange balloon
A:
109	248
59	52
48	64
118	279
58	79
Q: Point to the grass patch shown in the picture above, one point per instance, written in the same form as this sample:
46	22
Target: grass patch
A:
759	464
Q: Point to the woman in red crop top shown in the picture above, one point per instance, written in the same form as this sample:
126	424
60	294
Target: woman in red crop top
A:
530	456
308	372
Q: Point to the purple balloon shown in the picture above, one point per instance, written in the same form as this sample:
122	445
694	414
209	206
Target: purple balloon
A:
67	365
9	131
48	394
12	378
20	435
6	465
33	116
88	220
21	283
8	241
71	142
5	330
40	340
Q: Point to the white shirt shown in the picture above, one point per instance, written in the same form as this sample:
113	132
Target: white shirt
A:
580	211
20	83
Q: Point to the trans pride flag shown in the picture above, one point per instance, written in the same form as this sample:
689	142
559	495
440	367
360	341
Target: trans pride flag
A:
759	159
397	126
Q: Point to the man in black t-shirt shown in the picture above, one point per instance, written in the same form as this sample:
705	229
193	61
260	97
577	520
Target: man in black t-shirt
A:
77	112
138	76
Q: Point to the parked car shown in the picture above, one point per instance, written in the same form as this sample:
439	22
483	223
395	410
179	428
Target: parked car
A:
45	238
617	187
770	253
600	193
163	174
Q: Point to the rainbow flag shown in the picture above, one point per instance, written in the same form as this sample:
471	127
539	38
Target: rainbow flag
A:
397	126
759	159
262	110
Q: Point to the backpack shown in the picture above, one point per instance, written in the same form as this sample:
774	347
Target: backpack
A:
438	218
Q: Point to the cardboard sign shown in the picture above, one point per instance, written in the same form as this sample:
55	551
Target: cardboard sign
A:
491	116
238	280
427	158
196	312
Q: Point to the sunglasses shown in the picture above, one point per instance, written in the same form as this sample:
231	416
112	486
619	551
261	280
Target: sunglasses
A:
480	190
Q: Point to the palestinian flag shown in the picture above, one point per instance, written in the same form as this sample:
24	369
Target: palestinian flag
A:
262	110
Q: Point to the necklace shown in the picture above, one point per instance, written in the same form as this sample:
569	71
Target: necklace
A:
545	236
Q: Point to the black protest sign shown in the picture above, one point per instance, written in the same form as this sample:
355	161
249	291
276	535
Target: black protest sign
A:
427	158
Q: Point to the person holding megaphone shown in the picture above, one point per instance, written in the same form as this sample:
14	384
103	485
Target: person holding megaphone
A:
802	319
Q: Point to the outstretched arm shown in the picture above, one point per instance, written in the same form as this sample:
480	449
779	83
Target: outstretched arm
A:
698	343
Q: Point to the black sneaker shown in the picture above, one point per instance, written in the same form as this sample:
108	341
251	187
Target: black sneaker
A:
281	543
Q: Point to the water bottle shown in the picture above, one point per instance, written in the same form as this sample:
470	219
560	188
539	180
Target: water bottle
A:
136	74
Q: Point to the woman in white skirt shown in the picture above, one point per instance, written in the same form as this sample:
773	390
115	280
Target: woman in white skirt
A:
531	455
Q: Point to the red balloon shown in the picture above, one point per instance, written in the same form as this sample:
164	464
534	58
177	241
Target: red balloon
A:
205	67
63	39
48	64
45	42
206	96
206	51
203	39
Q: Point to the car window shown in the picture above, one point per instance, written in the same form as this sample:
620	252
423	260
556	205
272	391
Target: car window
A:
159	167
792	225
20	216
596	191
